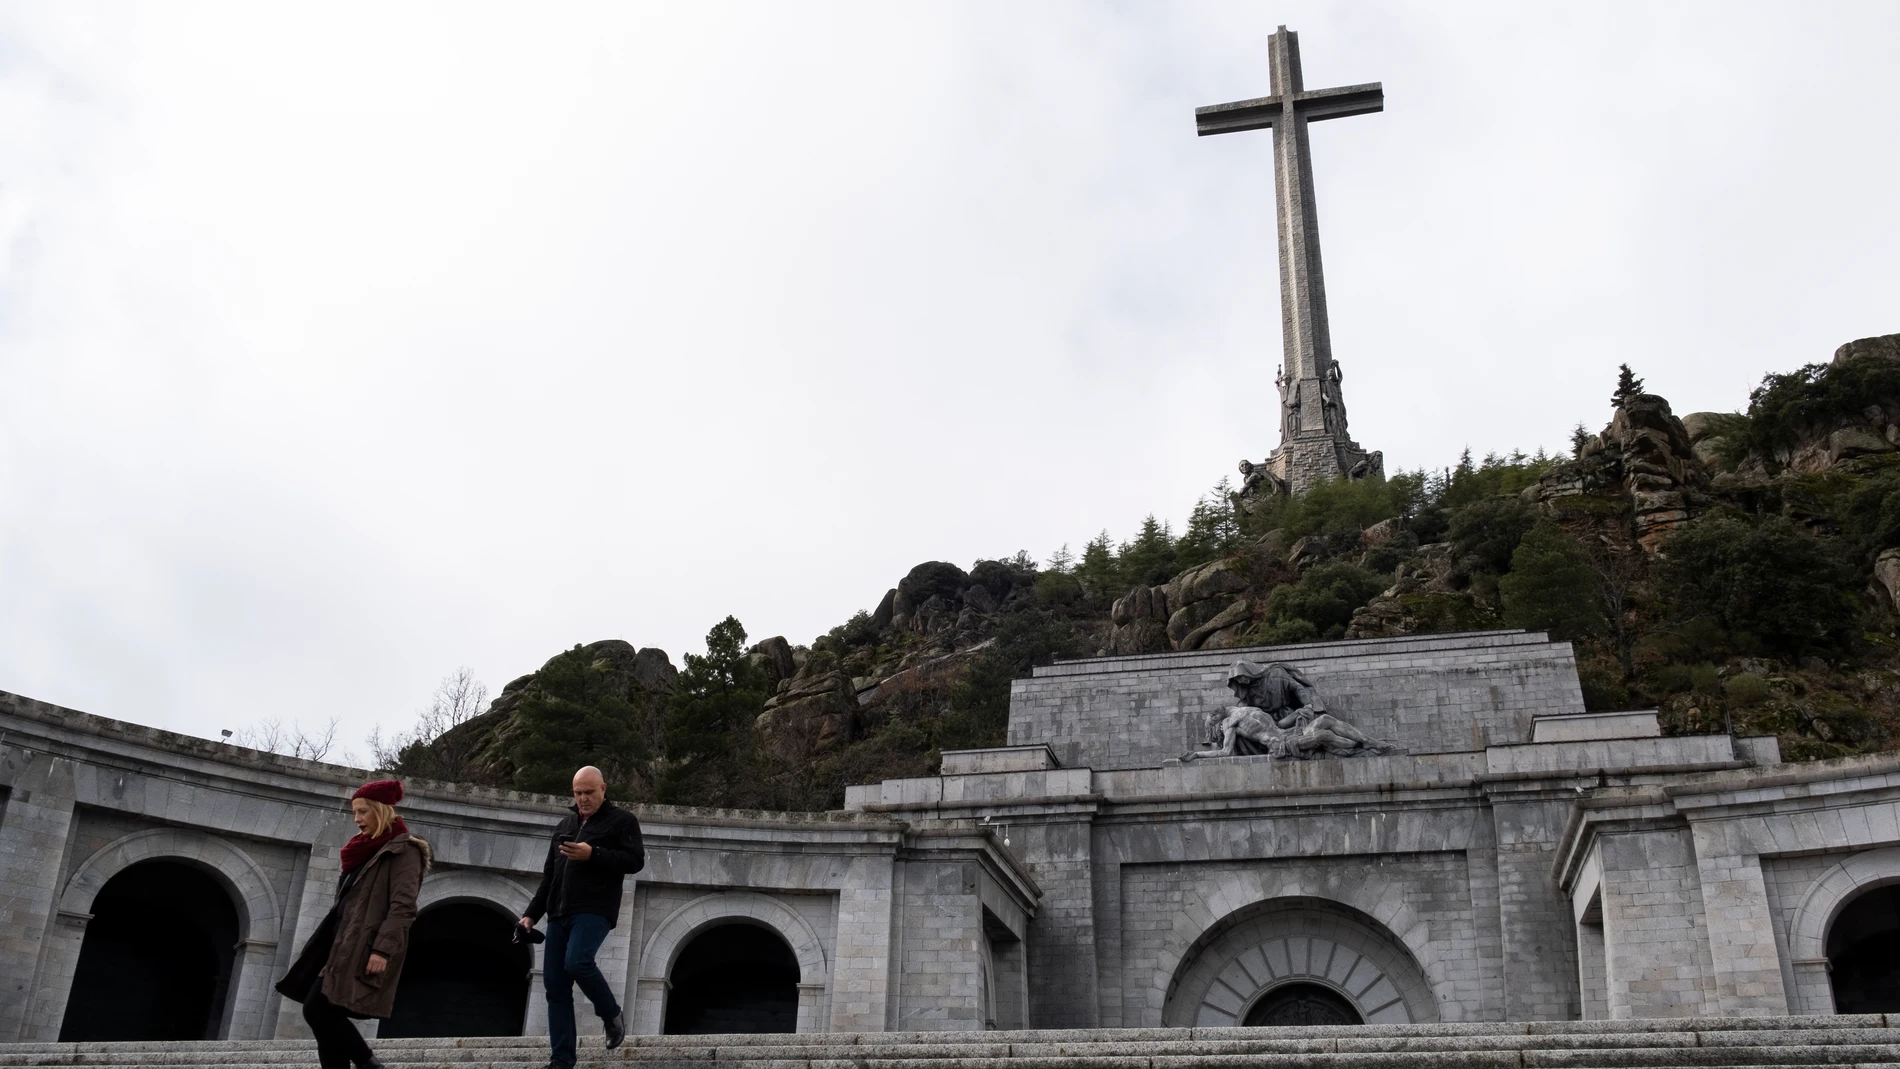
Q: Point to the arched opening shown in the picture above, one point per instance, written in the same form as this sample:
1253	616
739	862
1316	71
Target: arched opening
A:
1294	960
464	976
156	960
734	977
1301	1004
1863	953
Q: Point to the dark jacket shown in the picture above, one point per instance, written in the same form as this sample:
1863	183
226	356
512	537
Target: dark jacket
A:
591	886
372	915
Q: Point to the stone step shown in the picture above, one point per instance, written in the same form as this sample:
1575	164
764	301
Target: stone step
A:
1619	1058
1667	1058
1699	1042
431	1051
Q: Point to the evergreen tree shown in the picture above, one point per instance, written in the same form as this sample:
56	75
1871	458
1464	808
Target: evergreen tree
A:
1579	437
577	713
1213	531
1627	386
1062	561
1097	570
711	723
1551	586
1149	559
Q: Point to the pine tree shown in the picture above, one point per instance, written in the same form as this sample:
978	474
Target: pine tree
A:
1096	570
1627	386
711	721
577	713
1551	586
1061	561
1149	558
1213	530
1579	437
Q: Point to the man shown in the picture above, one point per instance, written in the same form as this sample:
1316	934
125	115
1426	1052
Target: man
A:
594	847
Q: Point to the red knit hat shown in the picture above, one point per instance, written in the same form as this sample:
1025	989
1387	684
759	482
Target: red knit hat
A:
386	791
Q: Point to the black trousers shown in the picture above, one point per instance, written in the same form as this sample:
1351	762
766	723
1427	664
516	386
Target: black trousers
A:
339	1044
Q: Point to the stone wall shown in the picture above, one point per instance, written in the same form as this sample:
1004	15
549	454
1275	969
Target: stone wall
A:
1429	694
82	798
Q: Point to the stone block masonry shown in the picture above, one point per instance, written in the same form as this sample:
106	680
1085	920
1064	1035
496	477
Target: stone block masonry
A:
1428	694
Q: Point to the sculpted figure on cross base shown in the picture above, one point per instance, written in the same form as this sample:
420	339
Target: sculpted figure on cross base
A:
1280	715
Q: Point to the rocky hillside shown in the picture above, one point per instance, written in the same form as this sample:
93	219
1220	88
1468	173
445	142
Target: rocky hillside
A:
1736	570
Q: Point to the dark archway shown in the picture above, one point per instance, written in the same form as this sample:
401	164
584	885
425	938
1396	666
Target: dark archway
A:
156	960
464	975
1301	1004
1863	953
733	978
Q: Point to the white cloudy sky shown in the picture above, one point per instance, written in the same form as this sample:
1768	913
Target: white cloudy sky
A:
341	345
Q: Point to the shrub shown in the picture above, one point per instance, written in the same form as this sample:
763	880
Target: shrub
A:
1489	530
1817	395
1747	689
1325	598
1769	580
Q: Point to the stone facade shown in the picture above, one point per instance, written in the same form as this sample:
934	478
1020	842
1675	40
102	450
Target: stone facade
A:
1521	859
874	913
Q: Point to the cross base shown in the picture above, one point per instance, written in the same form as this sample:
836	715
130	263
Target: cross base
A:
1303	461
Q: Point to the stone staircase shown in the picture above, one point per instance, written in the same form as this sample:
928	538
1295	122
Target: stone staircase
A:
1863	1040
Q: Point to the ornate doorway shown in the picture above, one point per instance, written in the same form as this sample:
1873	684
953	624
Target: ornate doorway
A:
1297	960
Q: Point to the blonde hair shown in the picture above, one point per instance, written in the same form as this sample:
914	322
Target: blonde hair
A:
381	816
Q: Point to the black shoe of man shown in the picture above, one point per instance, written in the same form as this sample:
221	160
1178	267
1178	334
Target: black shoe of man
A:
616	1029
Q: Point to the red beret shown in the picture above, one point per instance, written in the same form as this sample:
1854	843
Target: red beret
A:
386	791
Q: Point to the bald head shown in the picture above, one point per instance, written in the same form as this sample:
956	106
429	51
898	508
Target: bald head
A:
590	789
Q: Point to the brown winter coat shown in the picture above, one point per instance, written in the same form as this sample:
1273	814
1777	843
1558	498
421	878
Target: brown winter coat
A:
373	916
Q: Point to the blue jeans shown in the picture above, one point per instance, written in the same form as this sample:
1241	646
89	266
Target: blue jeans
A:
567	958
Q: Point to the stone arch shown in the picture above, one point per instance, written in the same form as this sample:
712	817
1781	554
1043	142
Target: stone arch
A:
466	885
465	977
250	888
260	918
1808	927
671	935
1231	894
1265	948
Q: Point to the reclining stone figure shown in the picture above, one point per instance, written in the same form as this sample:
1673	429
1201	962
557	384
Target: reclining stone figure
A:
1280	715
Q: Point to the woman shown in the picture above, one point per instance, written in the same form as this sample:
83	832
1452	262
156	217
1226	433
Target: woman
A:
350	967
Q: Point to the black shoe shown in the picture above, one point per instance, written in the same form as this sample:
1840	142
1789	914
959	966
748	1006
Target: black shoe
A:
558	1065
373	1063
616	1029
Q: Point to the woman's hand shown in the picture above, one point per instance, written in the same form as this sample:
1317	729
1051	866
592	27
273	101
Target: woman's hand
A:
377	963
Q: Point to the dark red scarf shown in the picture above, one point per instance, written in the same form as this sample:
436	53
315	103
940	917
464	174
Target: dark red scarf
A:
362	848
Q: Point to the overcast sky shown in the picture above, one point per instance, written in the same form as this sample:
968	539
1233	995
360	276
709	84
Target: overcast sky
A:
343	345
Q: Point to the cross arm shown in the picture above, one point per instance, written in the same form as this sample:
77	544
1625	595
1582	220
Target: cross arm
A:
1341	102
1262	112
1256	114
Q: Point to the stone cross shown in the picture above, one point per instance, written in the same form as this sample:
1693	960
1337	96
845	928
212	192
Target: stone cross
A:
1313	441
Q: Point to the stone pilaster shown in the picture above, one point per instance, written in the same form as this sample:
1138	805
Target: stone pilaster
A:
35	825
